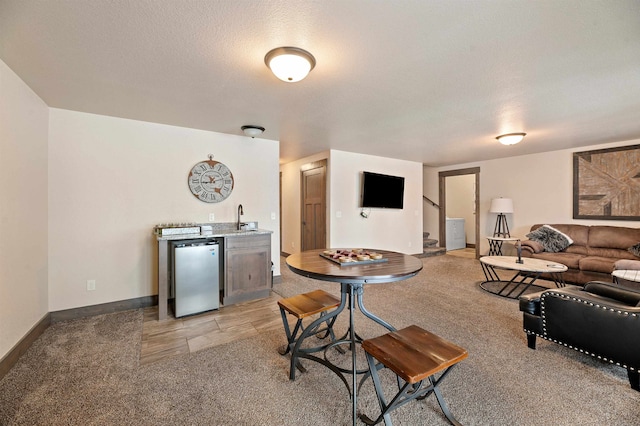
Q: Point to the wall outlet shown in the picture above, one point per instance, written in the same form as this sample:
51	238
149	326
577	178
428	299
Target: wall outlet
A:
212	217
91	285
273	215
293	245
338	214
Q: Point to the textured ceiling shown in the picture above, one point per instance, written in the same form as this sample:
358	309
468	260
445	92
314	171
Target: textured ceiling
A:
428	81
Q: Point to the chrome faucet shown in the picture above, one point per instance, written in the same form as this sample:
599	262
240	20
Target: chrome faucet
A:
240	212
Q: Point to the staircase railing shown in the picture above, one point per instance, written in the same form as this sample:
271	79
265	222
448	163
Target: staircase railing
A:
430	202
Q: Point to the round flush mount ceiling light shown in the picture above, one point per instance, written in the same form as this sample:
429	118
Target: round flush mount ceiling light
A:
252	131
290	64
510	138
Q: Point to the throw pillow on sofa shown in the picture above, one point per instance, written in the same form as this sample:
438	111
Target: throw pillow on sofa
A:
551	239
635	250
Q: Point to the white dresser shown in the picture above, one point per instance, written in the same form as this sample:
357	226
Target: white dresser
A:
456	237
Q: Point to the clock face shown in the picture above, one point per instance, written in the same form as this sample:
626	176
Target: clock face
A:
210	181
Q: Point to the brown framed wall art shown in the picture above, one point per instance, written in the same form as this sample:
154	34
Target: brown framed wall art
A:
606	184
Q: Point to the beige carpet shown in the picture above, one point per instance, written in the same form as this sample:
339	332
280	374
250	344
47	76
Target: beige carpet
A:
86	372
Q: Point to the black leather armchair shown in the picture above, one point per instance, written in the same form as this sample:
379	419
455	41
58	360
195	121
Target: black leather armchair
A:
600	319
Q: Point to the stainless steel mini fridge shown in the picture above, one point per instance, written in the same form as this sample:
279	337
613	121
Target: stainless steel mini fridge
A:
196	276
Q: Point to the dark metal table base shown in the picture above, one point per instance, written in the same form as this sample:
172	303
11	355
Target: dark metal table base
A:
527	279
321	332
351	295
495	247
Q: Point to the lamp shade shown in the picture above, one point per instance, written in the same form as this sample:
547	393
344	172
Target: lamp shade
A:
501	205
290	64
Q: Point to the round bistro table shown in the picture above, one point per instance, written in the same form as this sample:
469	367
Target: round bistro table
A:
352	278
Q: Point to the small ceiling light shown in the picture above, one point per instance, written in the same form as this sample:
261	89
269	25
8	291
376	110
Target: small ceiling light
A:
252	131
290	64
511	138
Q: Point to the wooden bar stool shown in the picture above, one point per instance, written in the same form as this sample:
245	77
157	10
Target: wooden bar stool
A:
302	306
415	356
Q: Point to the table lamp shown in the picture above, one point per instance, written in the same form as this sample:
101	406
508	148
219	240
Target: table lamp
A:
501	206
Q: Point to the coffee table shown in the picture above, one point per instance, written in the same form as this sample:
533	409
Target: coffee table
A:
526	274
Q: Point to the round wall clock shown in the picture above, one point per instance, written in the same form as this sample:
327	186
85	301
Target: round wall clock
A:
210	181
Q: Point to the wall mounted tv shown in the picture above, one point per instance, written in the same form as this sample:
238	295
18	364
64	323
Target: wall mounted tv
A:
382	191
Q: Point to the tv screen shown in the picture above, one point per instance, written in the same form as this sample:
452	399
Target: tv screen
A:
382	191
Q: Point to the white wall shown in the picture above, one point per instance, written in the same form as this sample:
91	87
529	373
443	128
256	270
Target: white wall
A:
23	209
541	186
291	214
111	180
388	229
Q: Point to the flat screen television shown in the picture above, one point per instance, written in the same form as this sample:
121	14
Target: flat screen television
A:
382	191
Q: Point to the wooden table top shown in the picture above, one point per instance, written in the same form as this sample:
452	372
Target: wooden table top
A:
398	267
529	264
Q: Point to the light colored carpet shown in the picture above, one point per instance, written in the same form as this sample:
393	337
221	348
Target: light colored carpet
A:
86	372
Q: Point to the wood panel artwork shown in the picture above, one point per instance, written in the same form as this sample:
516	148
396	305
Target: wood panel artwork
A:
606	184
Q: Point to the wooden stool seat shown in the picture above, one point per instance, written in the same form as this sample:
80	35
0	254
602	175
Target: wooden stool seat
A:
307	304
414	355
302	306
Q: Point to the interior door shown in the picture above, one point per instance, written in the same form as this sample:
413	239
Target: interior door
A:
313	205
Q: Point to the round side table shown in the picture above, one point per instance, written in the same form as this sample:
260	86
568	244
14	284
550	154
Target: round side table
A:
495	244
626	274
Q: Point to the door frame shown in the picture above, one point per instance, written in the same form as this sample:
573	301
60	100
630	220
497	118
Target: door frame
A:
442	190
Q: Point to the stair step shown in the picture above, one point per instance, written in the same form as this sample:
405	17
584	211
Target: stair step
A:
432	251
429	242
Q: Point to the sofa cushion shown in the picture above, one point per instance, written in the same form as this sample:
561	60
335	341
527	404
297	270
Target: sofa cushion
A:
556	231
551	239
613	237
610	252
570	260
539	236
578	233
532	246
574	248
598	264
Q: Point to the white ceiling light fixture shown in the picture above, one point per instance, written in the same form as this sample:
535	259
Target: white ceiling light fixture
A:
290	64
252	131
510	138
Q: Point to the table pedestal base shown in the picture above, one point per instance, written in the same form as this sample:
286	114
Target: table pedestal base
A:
351	296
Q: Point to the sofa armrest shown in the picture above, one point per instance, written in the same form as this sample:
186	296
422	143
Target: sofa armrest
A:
531	246
611	291
627	264
530	303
